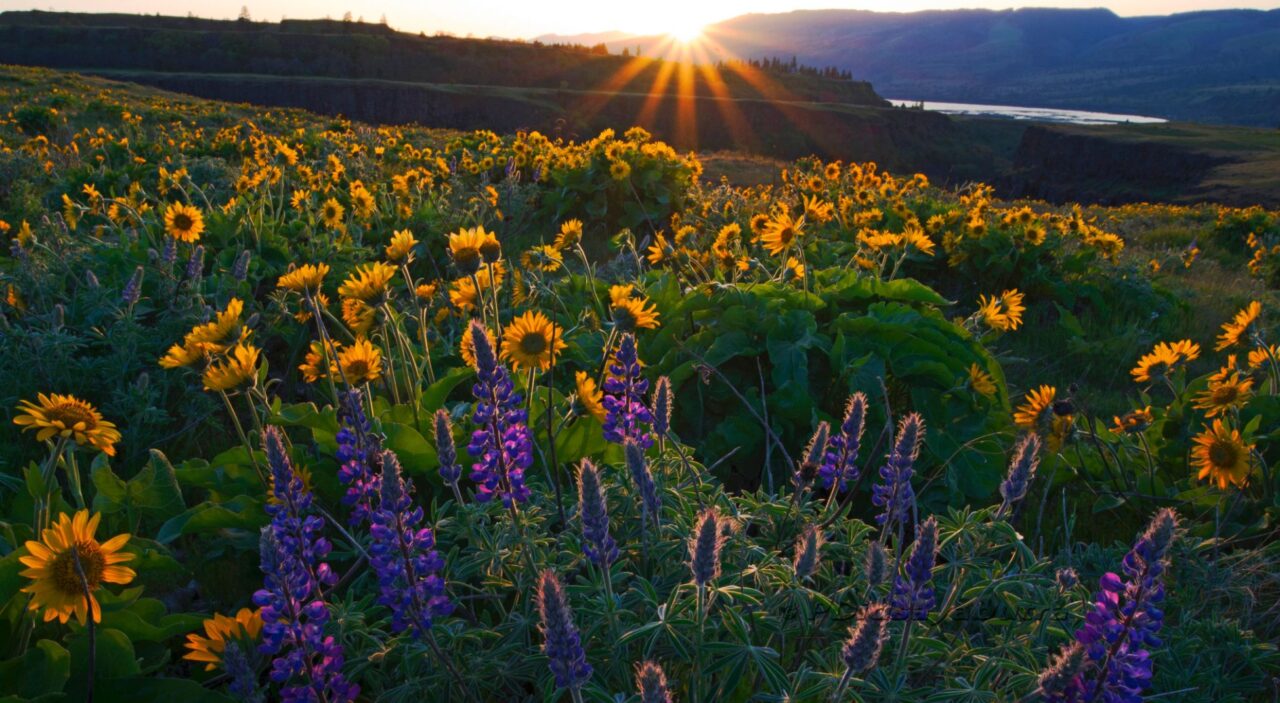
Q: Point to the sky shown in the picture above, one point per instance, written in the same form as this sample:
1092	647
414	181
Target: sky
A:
525	19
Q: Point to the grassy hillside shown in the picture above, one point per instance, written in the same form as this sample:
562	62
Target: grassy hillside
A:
298	407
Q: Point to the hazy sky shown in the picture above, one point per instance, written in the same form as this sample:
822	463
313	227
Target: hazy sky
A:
529	18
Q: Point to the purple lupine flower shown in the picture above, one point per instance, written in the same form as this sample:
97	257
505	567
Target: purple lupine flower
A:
502	442
1125	619
705	546
862	650
195	264
808	552
244	681
132	288
240	270
895	495
1066	578
662	408
562	646
1026	456
404	558
808	469
357	449
594	513
841	462
650	501
296	528
877	561
626	415
170	252
1060	681
450	469
652	683
307	664
912	597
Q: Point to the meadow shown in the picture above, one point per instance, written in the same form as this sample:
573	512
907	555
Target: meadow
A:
304	409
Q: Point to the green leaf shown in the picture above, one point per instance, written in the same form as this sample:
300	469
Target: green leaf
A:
434	396
134	689
416	455
242	512
44	669
114	659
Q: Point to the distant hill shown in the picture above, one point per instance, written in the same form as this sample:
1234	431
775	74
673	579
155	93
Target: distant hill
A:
1218	66
359	50
587	39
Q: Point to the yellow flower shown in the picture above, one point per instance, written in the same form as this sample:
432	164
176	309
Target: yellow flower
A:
1263	356
1132	422
570	234
219	630
590	396
57	587
331	213
466	246
358	315
1035	408
305	278
631	312
660	250
360	362
1221	455
1003	313
463	293
780	231
532	340
1239	328
544	257
240	367
619	170
1224	393
210	337
314	368
980	381
1163	359
368	281
425	291
401	246
183	222
67	417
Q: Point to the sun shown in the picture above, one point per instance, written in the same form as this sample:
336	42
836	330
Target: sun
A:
685	33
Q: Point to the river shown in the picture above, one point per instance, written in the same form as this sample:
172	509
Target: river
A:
1031	114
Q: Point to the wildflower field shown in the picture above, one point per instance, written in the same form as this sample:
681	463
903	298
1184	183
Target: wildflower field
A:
303	409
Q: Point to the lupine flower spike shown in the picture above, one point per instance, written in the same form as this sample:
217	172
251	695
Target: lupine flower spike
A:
561	645
450	469
811	460
1026	455
704	548
626	416
913	597
357	448
861	652
502	443
593	511
895	496
404	558
808	552
652	683
638	467
840	465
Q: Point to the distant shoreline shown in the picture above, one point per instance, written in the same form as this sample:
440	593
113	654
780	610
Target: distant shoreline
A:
1030	114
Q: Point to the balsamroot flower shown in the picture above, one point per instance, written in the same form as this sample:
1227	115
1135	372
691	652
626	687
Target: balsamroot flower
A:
404	558
502	443
68	563
1125	619
895	495
357	447
841	461
638	466
808	552
652	683
562	646
1026	456
912	597
626	415
705	547
862	650
594	513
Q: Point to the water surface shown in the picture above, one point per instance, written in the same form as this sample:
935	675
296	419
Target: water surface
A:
1031	114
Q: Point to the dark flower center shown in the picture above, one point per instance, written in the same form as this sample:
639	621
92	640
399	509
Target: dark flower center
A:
1223	455
72	415
533	343
65	577
182	222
